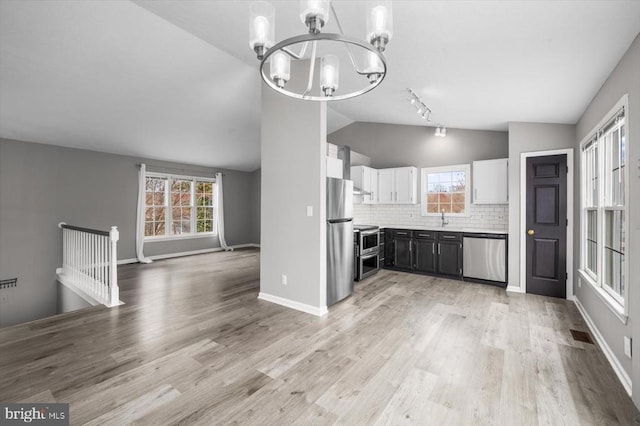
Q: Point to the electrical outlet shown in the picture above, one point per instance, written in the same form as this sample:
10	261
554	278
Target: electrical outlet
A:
4	298
309	211
627	346
284	279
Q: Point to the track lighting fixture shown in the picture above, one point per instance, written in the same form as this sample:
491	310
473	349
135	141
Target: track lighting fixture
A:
441	131
421	108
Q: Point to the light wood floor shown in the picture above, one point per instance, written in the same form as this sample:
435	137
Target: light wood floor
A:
194	345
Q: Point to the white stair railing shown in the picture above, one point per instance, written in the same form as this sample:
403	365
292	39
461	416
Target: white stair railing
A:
90	262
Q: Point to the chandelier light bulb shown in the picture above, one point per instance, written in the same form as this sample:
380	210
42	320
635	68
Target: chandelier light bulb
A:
329	74
379	23
314	14
438	131
261	27
443	132
280	68
374	67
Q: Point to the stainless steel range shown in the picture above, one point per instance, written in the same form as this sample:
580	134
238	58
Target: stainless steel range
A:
367	252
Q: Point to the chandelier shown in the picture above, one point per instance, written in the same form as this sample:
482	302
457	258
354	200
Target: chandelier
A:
369	64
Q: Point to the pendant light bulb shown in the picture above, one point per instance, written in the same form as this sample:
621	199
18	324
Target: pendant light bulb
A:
314	14
379	23
329	74
261	27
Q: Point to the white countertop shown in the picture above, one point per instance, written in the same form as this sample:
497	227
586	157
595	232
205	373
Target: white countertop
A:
440	228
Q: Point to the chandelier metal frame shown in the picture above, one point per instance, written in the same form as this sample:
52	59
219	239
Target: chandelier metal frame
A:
374	77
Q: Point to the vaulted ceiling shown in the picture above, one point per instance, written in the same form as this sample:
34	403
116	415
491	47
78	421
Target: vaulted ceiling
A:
176	80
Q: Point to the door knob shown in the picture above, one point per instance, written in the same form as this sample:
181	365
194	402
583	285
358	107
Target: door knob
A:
530	232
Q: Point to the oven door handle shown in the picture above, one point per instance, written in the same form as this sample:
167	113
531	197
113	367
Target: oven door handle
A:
369	256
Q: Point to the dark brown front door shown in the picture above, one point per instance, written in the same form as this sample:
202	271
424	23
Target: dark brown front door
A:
547	225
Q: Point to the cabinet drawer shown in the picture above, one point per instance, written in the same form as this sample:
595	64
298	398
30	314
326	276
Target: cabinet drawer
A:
449	236
424	235
401	233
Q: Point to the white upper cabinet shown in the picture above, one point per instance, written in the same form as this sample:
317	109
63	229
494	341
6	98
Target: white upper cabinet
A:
490	179
373	186
334	167
398	185
365	180
386	186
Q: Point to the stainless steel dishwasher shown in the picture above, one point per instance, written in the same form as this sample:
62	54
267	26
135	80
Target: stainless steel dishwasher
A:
485	257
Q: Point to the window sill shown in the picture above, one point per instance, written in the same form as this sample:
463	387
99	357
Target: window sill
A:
609	301
180	237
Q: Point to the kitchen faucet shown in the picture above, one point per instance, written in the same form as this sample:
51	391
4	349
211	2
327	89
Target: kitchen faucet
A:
444	221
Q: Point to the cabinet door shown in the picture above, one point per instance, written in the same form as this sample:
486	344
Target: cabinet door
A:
424	255
389	248
334	167
402	253
373	199
369	184
386	186
490	179
449	258
405	185
357	175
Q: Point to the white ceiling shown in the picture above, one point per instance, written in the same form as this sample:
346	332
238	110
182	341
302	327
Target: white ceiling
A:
176	80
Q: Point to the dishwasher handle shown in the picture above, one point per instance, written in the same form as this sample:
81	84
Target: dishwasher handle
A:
487	236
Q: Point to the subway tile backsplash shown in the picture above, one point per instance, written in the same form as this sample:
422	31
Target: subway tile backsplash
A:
484	216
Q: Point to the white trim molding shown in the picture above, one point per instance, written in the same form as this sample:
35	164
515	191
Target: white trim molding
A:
605	297
303	307
186	253
611	357
62	279
515	289
523	216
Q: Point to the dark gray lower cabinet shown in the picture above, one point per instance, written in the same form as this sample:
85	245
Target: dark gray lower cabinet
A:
402	253
429	252
424	255
449	258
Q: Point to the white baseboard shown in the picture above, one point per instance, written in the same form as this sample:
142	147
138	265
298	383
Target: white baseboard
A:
186	253
303	307
611	357
514	289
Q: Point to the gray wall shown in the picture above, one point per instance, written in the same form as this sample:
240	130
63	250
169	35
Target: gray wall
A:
256	183
41	185
293	177
393	145
528	137
625	79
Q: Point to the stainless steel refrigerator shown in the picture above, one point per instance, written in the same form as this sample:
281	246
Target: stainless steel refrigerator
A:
340	262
